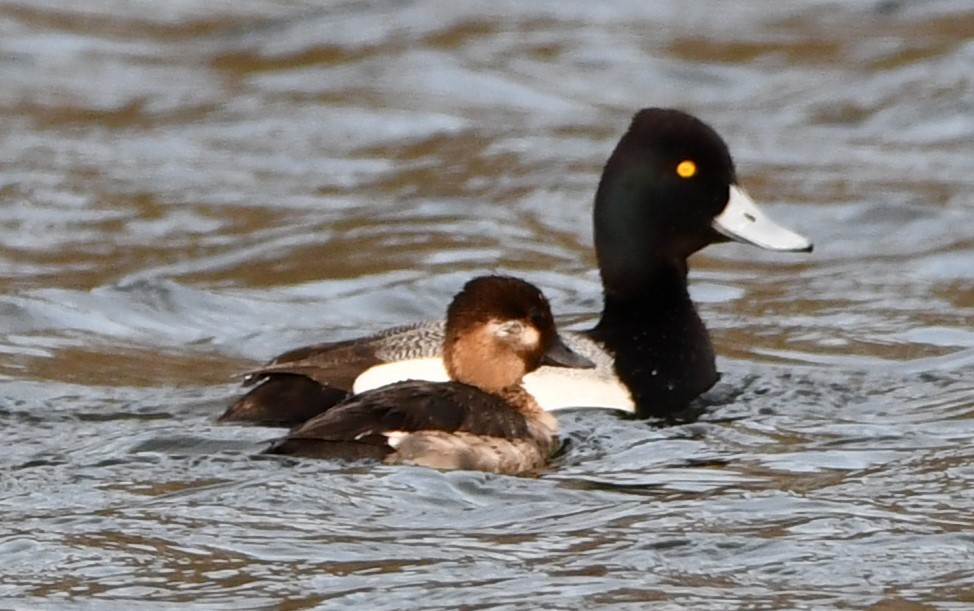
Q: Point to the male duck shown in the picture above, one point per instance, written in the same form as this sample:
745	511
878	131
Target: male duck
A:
668	190
498	328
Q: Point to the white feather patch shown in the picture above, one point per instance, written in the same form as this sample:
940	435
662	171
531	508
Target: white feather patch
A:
555	388
431	369
530	336
394	438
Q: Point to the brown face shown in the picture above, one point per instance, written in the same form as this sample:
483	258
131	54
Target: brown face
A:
501	299
497	329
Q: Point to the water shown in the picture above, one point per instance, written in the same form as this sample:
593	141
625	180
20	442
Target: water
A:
189	188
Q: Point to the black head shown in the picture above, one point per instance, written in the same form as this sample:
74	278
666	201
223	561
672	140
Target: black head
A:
662	195
668	177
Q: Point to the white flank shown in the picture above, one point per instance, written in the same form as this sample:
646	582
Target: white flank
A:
554	388
431	369
557	388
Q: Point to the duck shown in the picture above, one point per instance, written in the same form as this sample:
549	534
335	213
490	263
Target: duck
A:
668	190
497	329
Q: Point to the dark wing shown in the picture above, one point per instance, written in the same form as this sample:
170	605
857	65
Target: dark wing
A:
304	382
365	419
283	400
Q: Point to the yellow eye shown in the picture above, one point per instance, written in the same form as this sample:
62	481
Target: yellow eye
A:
686	169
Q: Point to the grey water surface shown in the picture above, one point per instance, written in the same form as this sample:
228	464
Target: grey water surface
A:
188	188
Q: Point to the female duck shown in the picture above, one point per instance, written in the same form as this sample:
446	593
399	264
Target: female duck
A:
498	329
668	190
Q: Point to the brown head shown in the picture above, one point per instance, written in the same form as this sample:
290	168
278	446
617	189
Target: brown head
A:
499	328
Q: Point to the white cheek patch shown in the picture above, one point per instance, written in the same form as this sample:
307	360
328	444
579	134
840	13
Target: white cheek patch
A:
431	369
530	337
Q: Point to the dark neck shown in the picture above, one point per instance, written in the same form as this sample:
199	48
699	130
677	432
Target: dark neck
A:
662	349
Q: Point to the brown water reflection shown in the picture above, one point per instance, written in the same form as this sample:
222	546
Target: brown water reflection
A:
187	188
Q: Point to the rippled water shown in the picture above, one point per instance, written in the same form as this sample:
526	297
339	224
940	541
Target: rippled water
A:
188	188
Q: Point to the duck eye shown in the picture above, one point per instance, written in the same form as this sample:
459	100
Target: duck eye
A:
686	169
511	328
